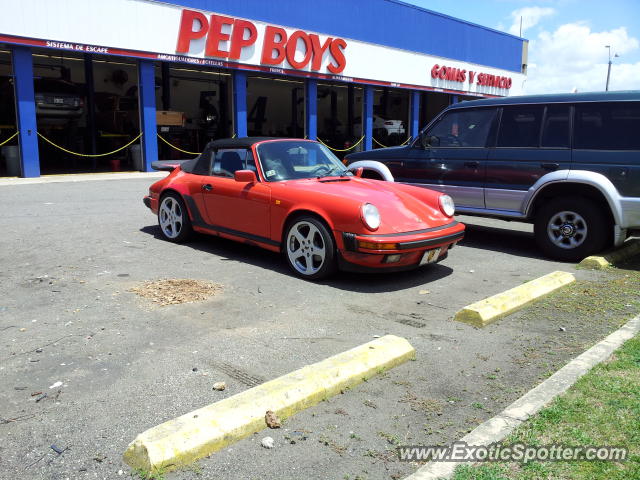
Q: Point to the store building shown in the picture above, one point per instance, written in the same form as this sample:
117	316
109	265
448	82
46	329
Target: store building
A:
98	86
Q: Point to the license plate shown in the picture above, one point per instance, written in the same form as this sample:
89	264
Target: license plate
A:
430	256
58	100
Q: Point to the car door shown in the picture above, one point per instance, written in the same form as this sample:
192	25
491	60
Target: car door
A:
454	162
532	140
237	208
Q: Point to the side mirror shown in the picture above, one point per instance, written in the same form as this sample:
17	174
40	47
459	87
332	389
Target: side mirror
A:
245	176
428	141
358	172
424	140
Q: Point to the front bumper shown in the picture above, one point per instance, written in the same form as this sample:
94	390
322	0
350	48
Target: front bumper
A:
147	202
398	251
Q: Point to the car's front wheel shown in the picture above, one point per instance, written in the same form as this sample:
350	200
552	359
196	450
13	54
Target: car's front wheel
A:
173	218
571	229
309	248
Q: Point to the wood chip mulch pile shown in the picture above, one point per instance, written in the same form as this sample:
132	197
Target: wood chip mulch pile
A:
173	291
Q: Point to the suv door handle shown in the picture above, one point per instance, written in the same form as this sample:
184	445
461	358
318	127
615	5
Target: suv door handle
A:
550	166
472	164
207	186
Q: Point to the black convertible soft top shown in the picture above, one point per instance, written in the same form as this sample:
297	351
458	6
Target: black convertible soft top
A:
200	164
242	142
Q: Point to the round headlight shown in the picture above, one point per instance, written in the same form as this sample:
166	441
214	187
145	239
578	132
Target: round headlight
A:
370	216
447	206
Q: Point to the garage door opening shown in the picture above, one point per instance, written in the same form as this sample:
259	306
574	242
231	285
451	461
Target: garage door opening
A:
60	93
431	104
113	117
275	107
194	107
9	151
86	105
339	117
390	117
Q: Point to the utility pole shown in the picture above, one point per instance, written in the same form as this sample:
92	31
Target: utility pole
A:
608	47
520	26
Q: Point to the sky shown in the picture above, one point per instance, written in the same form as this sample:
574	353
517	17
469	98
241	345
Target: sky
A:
567	39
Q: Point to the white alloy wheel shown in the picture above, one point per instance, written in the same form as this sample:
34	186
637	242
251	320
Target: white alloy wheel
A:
306	248
170	217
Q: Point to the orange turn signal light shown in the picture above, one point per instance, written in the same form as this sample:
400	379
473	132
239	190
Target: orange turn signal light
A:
377	246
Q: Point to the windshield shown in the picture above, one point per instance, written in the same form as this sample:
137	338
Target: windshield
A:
292	160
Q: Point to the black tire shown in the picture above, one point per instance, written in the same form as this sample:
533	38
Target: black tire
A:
300	256
580	228
175	229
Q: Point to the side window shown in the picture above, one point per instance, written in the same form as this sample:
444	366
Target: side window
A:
463	128
226	161
520	126
555	129
607	126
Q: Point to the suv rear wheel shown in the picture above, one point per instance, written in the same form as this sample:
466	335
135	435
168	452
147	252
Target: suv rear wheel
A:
571	228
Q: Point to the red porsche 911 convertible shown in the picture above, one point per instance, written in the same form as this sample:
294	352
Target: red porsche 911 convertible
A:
294	196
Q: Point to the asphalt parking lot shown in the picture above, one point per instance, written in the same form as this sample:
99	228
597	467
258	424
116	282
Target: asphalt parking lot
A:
72	251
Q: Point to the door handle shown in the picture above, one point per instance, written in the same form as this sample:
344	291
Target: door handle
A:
550	166
472	164
207	186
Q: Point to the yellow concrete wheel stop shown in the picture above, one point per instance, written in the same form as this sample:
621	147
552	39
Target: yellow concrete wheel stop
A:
628	250
489	310
204	431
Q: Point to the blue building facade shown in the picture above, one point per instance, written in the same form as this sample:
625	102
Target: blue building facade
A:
148	80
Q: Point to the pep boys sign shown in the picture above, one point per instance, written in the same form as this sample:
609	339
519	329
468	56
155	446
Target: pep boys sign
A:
226	37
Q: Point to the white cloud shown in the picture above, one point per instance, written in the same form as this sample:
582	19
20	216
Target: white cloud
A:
531	16
575	57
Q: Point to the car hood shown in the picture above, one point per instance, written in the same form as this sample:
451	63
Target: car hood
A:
401	210
379	154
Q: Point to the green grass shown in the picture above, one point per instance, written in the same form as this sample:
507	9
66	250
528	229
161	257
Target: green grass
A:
141	474
602	408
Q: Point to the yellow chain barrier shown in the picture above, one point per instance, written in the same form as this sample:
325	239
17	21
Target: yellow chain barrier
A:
9	139
384	146
185	151
343	149
176	148
85	154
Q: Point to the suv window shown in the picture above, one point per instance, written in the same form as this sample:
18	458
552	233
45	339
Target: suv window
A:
607	126
555	129
227	160
463	128
520	126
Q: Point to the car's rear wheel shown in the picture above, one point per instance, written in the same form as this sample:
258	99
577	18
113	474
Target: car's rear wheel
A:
309	248
173	218
570	229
